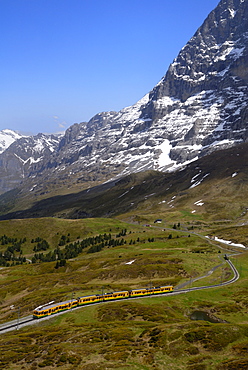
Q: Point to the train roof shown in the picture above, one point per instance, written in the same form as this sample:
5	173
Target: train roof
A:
90	296
100	295
121	291
154	287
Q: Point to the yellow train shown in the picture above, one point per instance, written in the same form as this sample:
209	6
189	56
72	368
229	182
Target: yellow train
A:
52	308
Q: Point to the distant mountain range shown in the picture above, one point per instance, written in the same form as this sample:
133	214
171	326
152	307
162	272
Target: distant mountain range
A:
199	106
20	154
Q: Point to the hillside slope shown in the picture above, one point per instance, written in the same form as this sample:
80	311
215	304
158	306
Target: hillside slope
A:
219	180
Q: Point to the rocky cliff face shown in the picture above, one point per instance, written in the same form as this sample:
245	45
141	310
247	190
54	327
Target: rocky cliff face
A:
208	83
200	105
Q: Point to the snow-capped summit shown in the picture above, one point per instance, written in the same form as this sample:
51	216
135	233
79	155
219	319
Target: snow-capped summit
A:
208	84
7	137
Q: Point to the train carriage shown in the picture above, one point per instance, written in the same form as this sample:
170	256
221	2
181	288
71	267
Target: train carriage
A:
162	289
82	301
139	292
53	308
150	291
115	295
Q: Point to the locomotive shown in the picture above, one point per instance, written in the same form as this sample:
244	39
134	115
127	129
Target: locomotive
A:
52	308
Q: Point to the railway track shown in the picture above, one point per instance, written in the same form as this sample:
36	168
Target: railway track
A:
16	324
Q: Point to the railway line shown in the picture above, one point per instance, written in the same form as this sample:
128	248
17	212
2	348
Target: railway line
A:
29	320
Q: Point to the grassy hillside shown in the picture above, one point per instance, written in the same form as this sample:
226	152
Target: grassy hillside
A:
124	248
150	333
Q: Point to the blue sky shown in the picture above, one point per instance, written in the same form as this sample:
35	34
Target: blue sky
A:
63	61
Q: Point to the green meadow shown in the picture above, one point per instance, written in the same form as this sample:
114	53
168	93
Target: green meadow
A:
147	333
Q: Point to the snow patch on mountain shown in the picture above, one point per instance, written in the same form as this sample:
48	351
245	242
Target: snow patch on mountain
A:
198	182
229	242
199	203
164	158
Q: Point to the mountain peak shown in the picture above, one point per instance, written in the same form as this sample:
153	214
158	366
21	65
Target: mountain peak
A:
7	137
199	106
